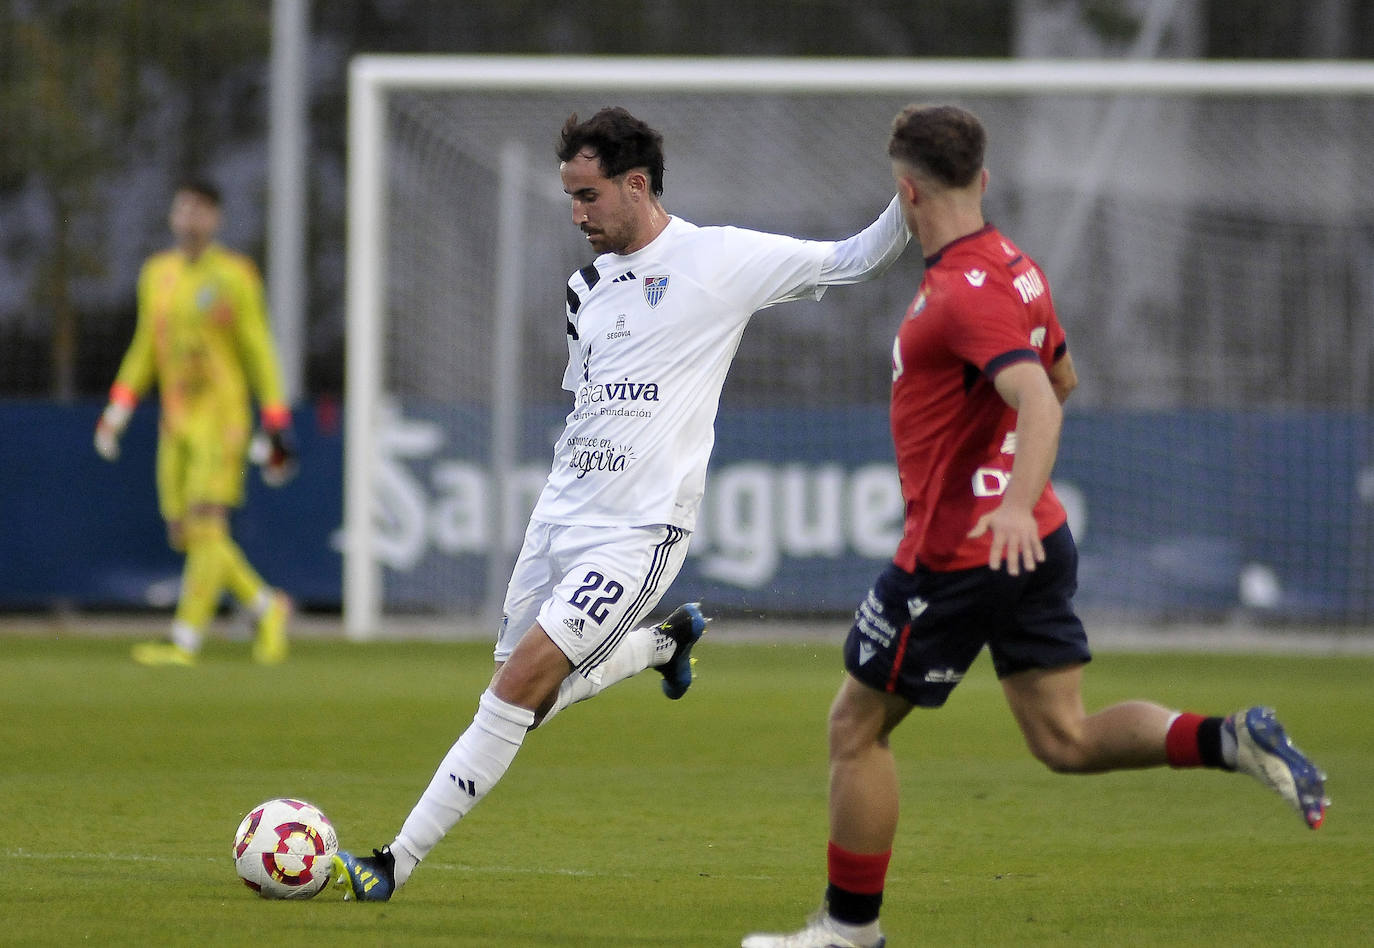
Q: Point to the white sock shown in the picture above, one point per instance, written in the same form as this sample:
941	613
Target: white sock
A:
640	649
1228	746
473	765
406	861
186	636
865	934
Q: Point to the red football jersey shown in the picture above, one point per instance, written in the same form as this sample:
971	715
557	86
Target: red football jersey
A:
982	305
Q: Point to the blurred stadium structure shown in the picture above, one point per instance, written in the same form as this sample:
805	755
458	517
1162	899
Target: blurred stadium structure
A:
1210	274
106	102
1210	256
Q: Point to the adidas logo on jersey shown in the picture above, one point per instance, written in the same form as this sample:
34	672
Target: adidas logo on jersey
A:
575	625
625	277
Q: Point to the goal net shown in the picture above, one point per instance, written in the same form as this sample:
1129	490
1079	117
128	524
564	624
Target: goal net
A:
1207	230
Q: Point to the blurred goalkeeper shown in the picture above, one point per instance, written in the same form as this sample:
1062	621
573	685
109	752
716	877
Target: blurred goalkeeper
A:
202	336
980	367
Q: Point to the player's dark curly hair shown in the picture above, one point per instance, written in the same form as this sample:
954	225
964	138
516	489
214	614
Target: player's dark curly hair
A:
942	141
619	140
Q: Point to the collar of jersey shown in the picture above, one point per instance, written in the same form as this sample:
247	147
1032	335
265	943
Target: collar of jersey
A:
935	257
671	225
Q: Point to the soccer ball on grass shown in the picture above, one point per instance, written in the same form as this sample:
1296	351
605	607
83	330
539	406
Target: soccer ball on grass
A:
284	849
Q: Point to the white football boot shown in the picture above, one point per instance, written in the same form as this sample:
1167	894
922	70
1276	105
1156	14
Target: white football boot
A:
821	931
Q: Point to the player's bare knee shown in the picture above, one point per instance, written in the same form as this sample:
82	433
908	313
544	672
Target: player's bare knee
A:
855	726
847	747
531	676
1061	753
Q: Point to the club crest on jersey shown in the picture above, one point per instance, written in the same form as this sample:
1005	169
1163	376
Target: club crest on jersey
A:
654	288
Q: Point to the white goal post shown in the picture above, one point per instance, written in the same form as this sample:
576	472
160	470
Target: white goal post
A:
375	80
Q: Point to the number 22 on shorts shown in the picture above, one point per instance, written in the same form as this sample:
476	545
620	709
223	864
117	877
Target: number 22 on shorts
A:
600	606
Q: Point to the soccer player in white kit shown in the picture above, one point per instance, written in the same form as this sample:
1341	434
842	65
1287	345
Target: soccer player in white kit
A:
653	324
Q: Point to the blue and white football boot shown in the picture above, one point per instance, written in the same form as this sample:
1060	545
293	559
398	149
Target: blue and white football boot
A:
684	626
1264	751
366	878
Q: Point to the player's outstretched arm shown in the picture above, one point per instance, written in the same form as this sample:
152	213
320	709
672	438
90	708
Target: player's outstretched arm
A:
868	253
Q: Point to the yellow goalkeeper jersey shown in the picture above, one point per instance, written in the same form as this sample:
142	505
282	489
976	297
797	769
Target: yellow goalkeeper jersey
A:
202	335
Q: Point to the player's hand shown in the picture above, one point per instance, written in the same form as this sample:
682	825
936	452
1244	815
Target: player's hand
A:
1015	537
108	429
275	452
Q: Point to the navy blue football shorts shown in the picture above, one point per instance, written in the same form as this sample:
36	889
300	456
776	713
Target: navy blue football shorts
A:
916	634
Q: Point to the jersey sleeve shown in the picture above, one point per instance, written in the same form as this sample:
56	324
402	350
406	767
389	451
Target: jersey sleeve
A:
570	373
869	252
773	268
579	285
138	368
255	345
989	328
762	269
1058	341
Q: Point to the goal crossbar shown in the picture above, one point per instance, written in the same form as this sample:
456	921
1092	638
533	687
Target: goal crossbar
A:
972	76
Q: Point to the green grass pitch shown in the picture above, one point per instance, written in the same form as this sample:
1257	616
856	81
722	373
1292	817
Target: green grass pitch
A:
636	821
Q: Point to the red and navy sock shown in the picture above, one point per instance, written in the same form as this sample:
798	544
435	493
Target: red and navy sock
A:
1195	741
855	892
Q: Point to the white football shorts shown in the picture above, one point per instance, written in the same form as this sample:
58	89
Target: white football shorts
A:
588	586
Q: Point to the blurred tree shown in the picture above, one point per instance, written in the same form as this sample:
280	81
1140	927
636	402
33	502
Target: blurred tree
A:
103	102
73	83
675	27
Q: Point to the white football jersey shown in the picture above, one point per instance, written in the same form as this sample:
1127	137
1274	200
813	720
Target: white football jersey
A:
651	335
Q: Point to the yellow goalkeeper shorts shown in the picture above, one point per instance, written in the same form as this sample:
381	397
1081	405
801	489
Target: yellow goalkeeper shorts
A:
202	464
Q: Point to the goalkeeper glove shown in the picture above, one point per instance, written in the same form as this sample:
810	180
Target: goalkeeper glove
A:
110	426
275	452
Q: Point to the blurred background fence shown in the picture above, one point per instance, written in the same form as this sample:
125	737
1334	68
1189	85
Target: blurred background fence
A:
1212	263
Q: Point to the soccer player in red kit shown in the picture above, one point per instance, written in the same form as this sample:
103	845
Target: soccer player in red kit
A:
980	368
